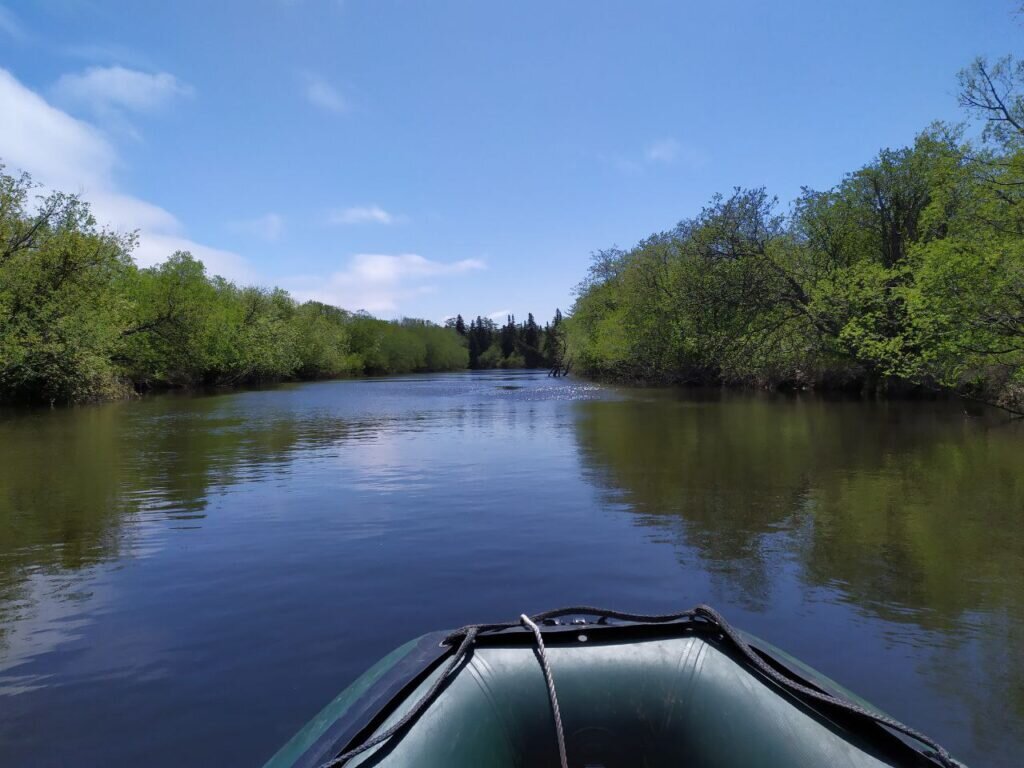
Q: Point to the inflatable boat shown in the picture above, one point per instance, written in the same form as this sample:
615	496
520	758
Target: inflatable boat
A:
585	687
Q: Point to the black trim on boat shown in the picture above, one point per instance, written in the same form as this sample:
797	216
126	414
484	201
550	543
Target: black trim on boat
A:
379	700
820	698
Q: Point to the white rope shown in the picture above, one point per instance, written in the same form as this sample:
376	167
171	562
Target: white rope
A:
542	656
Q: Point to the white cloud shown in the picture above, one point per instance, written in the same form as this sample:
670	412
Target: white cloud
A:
361	215
322	94
270	226
155	247
377	282
501	315
57	149
106	90
67	154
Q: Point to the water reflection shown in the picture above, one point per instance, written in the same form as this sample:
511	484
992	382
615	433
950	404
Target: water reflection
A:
79	486
168	561
910	513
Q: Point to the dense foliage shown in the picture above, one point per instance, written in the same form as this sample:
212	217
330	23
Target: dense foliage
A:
908	273
79	321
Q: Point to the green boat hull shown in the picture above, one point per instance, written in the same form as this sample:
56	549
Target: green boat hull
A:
631	697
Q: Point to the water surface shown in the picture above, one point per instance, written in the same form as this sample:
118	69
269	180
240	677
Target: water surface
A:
186	580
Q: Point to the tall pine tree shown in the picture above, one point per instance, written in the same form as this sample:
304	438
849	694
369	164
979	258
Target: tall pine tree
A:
531	343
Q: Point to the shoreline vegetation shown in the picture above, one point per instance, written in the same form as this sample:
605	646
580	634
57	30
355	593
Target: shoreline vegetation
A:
81	322
907	277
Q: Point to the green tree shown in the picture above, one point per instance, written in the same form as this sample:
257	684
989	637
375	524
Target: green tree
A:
165	342
61	314
509	336
968	303
323	342
530	343
481	337
554	342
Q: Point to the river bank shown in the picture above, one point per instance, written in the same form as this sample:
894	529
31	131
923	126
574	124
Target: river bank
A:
907	273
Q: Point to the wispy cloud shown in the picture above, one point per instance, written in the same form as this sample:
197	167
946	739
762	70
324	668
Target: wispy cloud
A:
106	53
10	26
117	89
62	152
378	282
500	316
270	226
623	164
670	151
361	214
663	152
322	94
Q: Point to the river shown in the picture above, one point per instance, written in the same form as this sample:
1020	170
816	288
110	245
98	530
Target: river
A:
185	580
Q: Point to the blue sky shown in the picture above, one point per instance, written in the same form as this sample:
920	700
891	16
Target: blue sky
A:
428	158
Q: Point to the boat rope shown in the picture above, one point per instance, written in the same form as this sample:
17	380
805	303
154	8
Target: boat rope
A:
543	658
702	614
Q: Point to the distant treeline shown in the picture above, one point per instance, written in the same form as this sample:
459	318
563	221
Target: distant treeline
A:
512	345
79	321
907	274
